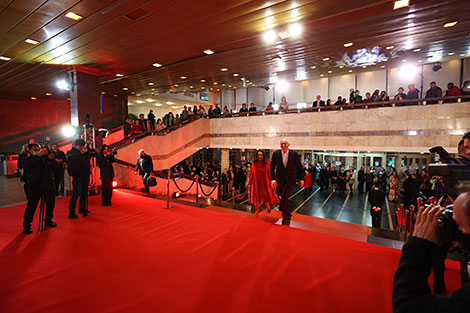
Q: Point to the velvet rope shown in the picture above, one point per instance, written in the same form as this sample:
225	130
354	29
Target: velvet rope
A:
240	198
207	195
181	190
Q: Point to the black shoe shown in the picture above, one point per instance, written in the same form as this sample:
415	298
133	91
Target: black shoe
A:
286	221
27	230
269	211
50	224
73	215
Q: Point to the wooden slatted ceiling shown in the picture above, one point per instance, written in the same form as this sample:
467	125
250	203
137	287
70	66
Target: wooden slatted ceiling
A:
176	33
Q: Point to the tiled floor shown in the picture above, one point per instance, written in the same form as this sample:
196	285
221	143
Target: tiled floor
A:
11	192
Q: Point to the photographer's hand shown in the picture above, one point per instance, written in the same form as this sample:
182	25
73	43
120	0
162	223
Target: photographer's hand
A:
426	223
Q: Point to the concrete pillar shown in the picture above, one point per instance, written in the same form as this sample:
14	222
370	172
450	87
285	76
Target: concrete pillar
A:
224	159
384	160
413	164
420	163
398	163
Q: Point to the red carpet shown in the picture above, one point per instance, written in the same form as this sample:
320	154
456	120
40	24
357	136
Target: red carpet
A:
138	257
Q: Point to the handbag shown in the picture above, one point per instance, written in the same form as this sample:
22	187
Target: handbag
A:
151	181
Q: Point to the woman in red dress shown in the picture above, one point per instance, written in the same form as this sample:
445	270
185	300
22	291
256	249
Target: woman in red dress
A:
259	179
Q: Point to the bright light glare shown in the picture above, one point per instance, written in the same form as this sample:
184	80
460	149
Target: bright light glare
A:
114	183
68	131
62	84
408	72
295	30
282	86
401	4
269	36
301	105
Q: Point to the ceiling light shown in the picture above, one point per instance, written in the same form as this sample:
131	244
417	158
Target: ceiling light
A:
151	84
404	60
341	66
73	16
326	59
398	4
157	64
48	94
229	86
450	24
103	93
125	88
417	50
203	80
389	47
349	44
329	72
119	75
176	85
215	83
451	53
139	101
284	35
33	42
235	74
295	30
223	85
364	66
183	77
33	98
170	103
203	87
269	36
149	100
208	52
62	84
224	69
158	104
191	87
383	66
4	58
321	75
462	55
419	61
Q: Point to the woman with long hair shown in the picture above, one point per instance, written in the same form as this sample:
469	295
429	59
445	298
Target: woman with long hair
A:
393	182
259	179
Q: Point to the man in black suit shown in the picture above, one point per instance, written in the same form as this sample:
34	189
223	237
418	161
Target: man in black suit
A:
318	103
285	164
376	200
361	178
144	167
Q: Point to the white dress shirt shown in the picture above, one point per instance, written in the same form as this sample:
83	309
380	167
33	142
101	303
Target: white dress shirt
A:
285	158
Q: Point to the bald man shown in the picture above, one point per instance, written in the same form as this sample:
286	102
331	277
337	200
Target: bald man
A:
285	168
411	292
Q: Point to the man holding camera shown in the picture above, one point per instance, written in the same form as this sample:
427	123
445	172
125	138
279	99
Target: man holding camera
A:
39	174
78	161
411	292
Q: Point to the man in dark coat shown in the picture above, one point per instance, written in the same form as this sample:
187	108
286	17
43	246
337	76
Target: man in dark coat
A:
376	200
413	93
39	174
144	167
105	162
361	178
410	188
151	119
78	161
433	92
285	168
59	167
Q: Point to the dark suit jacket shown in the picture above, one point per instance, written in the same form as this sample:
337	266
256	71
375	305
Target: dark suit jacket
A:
286	175
322	104
144	165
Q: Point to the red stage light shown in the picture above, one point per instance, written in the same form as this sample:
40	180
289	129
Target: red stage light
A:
114	183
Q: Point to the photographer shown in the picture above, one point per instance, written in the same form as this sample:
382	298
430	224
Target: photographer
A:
144	166
39	175
78	161
105	162
411	292
59	167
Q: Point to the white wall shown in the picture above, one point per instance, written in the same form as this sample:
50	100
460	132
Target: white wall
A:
369	81
340	85
449	73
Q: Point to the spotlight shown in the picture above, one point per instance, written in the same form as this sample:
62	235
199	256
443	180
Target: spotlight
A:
269	36
408	72
62	84
295	30
68	131
175	195
114	184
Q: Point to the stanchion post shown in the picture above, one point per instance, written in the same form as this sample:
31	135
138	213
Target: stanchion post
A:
168	205
197	189
218	193
233	197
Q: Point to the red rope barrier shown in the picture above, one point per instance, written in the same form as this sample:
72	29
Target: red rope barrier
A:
240	198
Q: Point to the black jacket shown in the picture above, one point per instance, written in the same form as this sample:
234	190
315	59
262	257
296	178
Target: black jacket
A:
286	175
78	163
144	165
316	104
105	163
433	93
361	176
38	171
376	198
411	292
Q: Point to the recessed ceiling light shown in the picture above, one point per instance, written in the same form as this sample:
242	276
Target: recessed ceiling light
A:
224	69
218	89
158	104
313	67
284	35
389	47
157	64
383	66
176	85
349	44
223	85
139	101
103	93
150	100
203	87
229	86
269	36
151	84
364	66
404	60
326	59
417	50
419	61
31	41
451	53
462	54
450	24
234	87
170	103
4	58
350	71
215	83
341	66
208	52
203	80
329	72
321	75
33	98
235	74
48	94
183	77
398	4
125	88
191	87
119	75
73	16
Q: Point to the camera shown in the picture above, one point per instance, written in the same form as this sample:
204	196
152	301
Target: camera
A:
113	151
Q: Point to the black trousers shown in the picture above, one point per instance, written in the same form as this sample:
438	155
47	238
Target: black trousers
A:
145	176
360	186
368	186
107	191
152	125
34	196
284	191
59	181
439	266
80	190
376	218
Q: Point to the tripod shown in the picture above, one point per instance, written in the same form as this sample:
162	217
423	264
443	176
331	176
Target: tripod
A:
42	214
